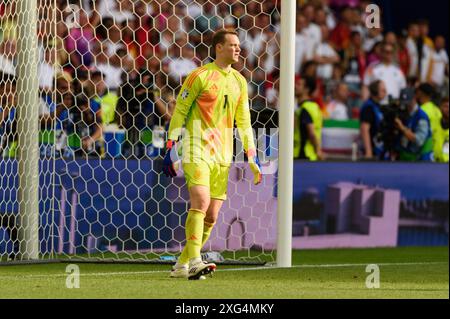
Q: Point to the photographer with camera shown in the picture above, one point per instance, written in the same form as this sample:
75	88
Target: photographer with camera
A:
371	119
414	141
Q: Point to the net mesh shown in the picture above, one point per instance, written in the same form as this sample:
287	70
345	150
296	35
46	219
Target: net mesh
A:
109	72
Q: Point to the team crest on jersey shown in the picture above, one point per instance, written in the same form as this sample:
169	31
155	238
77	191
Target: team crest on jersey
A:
185	94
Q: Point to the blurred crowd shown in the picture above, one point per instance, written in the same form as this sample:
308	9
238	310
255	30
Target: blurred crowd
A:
114	65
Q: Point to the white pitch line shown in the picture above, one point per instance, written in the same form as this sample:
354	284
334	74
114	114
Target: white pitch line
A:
126	273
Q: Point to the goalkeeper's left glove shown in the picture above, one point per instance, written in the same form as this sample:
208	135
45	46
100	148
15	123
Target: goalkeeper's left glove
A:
255	166
171	157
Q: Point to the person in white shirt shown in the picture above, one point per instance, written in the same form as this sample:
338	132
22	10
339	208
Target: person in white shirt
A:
337	109
301	43
412	44
119	10
325	56
439	62
181	61
312	31
386	71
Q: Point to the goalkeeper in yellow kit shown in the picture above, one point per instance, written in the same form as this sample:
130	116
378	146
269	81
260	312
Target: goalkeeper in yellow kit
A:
213	98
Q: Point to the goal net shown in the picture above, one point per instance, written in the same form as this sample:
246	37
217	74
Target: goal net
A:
107	74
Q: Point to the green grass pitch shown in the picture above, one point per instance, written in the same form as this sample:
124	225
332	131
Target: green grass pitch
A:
407	272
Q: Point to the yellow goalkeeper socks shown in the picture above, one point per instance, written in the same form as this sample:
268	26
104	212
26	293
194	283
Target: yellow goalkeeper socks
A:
207	229
194	235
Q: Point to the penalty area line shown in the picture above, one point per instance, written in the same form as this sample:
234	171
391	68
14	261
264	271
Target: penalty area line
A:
149	272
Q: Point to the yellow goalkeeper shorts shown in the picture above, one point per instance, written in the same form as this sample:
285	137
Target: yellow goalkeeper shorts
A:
212	175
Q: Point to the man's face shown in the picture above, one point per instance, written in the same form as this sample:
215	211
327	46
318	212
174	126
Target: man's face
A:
414	31
342	92
230	50
424	29
63	90
439	43
387	54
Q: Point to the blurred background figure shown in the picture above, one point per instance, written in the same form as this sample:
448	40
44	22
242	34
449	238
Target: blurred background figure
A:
441	145
337	108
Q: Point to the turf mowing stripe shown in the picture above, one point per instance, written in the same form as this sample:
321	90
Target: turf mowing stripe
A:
221	270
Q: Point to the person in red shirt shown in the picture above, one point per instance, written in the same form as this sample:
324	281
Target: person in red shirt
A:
340	36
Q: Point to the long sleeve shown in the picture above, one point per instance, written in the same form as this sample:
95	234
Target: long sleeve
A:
191	89
243	121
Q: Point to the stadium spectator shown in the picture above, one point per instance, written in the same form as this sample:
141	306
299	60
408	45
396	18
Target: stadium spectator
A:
439	64
256	89
441	139
370	121
323	5
252	41
54	112
137	108
181	59
8	123
272	95
311	30
386	71
340	36
7	55
374	36
415	142
419	52
325	56
84	129
8	20
118	10
106	99
354	63
337	108
308	123
424	30
301	43
79	40
403	57
111	71
374	55
269	59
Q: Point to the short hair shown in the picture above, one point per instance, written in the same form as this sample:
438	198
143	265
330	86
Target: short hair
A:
219	38
374	88
426	89
310	84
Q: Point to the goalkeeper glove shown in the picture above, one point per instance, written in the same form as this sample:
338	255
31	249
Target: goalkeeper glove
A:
170	159
255	166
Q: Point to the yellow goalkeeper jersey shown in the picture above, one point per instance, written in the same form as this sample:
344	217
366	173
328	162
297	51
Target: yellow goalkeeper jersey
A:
210	102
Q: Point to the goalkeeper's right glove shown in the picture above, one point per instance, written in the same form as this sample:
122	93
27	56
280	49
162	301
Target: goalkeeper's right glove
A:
170	159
